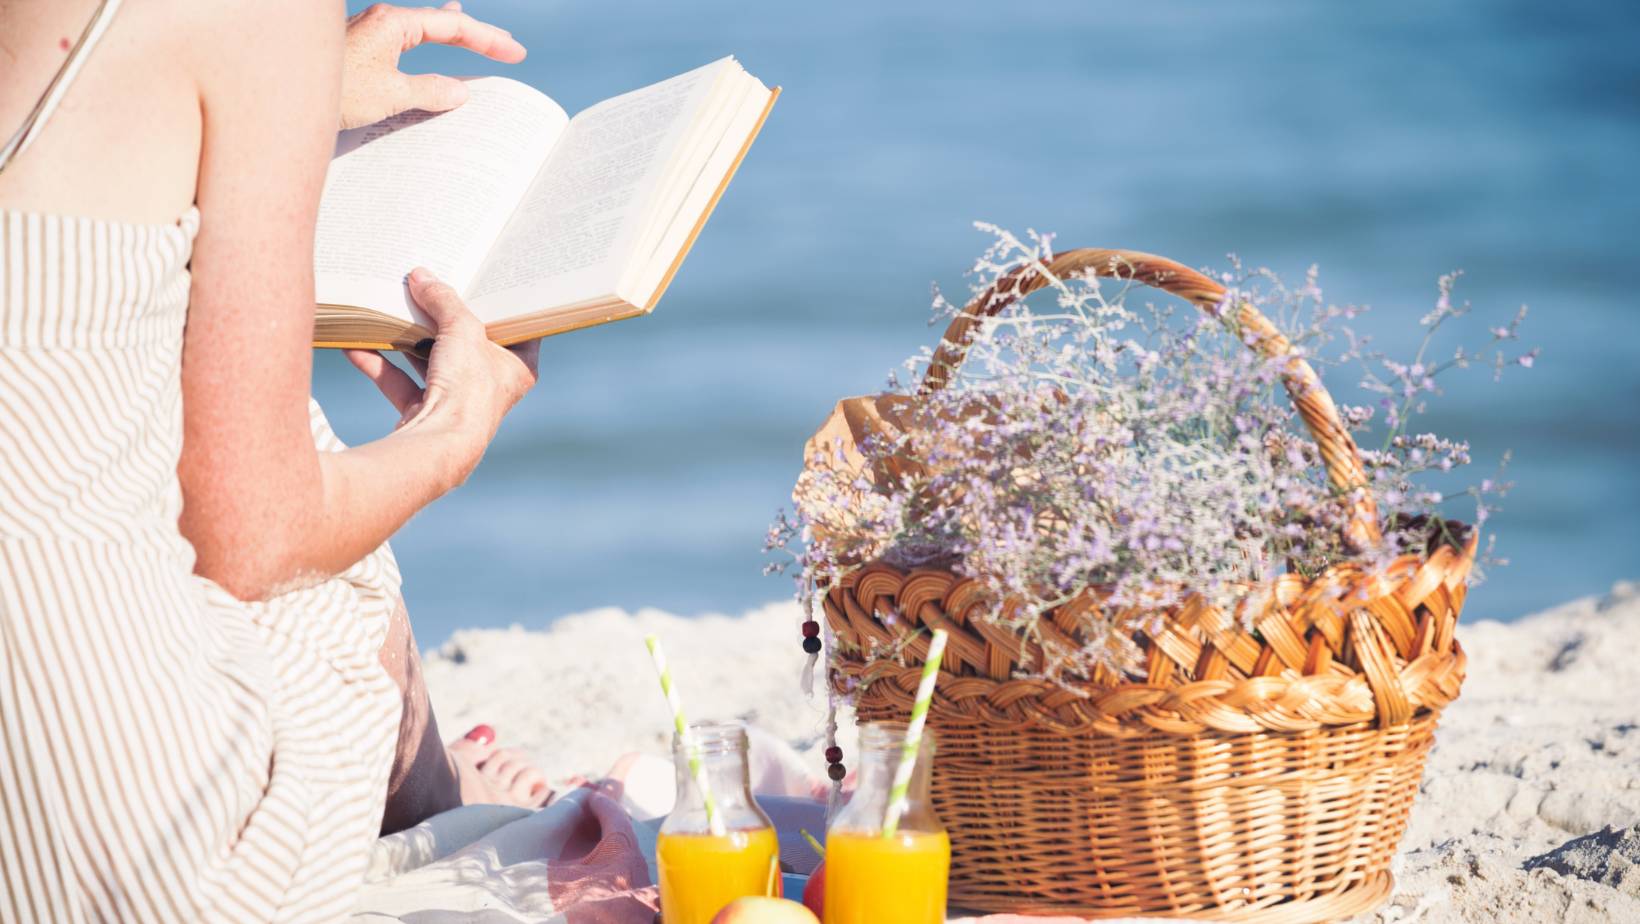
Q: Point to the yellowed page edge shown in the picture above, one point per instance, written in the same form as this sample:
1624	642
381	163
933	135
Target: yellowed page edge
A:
711	205
337	327
351	345
508	333
552	329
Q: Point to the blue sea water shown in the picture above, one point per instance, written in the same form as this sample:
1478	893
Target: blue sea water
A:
1388	143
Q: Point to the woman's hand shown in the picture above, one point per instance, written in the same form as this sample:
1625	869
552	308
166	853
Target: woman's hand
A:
470	383
264	509
373	88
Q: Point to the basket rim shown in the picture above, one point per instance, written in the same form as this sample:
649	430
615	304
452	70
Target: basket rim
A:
1352	644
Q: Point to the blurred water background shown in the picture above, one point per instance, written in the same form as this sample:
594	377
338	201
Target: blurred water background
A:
1388	143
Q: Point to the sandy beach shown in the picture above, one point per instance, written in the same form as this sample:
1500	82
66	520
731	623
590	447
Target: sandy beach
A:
1530	807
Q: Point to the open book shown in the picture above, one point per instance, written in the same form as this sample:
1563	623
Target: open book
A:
544	223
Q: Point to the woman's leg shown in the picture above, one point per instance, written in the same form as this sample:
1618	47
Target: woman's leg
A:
423	781
428	777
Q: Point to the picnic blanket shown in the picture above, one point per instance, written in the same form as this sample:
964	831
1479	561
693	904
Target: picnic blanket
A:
588	857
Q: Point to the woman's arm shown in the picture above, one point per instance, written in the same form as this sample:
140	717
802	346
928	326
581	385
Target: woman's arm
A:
262	506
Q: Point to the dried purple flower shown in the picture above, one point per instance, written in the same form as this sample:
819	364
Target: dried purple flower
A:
1088	445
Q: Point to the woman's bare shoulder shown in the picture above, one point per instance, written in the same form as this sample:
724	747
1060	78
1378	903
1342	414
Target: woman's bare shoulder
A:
125	144
271	47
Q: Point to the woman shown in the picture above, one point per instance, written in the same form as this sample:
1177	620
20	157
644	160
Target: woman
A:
195	602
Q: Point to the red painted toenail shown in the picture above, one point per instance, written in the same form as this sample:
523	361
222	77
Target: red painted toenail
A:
483	734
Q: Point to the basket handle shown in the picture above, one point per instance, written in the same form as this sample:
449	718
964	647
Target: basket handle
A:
1309	396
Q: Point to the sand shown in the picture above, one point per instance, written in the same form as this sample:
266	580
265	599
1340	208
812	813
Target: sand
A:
1529	806
1532	794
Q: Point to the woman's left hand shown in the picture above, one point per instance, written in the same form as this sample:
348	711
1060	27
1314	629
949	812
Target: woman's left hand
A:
374	88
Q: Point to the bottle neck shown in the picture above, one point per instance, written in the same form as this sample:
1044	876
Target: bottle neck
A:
882	745
721	753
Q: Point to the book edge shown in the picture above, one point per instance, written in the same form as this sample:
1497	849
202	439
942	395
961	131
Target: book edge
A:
565	326
711	206
329	315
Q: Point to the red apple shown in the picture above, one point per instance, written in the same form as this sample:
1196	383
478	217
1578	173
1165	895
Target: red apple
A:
761	910
814	894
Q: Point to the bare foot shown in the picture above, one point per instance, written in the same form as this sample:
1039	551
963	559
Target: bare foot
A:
494	775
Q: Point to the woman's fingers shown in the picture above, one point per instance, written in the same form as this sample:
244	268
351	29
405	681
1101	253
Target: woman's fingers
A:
441	302
373	88
529	352
394	383
432	93
448	26
462	365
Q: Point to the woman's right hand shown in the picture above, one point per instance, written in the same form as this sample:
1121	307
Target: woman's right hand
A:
469	382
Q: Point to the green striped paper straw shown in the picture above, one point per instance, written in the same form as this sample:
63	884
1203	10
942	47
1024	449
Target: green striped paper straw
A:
897	802
697	768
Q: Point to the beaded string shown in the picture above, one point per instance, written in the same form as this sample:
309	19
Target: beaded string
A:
813	608
835	770
811	639
835	798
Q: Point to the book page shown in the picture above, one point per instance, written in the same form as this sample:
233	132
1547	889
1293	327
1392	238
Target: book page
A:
570	236
433	190
669	235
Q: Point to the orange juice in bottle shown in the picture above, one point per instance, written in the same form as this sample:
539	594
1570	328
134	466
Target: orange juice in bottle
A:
900	877
700	871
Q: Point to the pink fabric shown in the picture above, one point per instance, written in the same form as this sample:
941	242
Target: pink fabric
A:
587	858
609	882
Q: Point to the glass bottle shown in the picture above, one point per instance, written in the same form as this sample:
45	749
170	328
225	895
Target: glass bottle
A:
700	872
901	877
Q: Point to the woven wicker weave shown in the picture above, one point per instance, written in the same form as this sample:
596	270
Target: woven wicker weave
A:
1261	775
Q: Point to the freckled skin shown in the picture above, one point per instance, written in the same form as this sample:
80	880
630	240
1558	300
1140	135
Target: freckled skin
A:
426	777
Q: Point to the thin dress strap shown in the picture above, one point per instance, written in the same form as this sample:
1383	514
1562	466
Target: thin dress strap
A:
36	121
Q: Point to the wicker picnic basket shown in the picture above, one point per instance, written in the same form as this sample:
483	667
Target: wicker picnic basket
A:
1263	775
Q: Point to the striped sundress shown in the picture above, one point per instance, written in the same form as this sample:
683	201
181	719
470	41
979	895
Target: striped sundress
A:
167	753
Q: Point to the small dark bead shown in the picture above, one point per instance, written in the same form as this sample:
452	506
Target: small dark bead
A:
836	772
811	629
834	755
811	645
